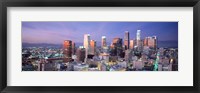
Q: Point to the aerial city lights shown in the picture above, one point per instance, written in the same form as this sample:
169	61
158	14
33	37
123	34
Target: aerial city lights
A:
122	54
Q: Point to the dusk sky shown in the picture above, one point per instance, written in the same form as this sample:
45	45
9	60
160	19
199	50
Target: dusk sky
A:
57	32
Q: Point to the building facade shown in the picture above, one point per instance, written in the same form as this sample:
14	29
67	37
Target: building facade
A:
80	53
86	44
126	40
67	47
103	41
132	44
92	47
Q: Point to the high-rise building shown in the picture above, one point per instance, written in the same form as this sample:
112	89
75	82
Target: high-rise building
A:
152	42
103	41
146	41
139	42
138	37
117	41
80	53
132	44
156	41
92	47
67	47
86	44
126	40
116	47
73	48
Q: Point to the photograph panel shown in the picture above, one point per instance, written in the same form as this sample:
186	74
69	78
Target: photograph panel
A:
99	46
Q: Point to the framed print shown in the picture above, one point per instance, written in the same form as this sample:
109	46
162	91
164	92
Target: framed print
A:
100	46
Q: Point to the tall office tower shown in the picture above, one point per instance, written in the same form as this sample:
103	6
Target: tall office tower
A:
126	40
80	53
103	41
132	44
156	41
73	48
146	41
152	42
138	37
86	44
67	47
92	47
116	47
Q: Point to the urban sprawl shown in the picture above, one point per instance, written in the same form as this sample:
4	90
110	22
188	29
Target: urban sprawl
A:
122	55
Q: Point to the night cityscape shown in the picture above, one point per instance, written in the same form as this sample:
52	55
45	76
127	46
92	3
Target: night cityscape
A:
92	46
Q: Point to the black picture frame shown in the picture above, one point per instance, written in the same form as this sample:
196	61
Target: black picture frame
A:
98	3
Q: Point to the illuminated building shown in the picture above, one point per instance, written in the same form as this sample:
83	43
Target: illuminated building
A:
80	53
152	42
156	62
73	48
67	47
139	42
105	49
138	37
116	47
103	41
131	44
86	44
146	41
92	47
126	40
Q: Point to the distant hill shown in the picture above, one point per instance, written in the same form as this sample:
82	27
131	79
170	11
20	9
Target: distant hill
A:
46	45
172	44
40	45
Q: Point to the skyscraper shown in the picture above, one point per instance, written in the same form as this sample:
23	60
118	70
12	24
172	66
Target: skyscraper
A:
92	47
146	41
152	42
80	53
126	40
139	42
138	37
132	44
73	48
86	44
116	47
103	41
67	47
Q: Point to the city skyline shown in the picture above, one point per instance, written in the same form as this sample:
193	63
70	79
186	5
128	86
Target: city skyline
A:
54	32
105	46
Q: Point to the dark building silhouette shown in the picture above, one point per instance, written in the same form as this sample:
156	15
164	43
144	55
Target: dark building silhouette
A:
73	48
116	47
80	53
126	40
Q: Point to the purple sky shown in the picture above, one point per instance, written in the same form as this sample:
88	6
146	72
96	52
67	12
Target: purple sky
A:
57	32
